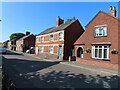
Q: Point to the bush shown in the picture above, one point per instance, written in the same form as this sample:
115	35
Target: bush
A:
113	51
88	50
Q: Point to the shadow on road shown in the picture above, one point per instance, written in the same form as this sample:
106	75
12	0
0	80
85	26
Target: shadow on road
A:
12	53
27	66
58	79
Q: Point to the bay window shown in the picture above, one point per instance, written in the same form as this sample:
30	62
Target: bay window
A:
100	52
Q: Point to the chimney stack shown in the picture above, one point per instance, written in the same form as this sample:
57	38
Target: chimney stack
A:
27	33
59	21
112	11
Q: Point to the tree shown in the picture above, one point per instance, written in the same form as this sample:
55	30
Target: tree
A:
16	35
69	20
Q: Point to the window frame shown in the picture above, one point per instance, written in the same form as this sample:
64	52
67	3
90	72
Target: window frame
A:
42	50
42	39
98	48
37	39
52	37
100	30
60	38
51	49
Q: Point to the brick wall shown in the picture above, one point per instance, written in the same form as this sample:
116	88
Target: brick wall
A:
88	37
72	33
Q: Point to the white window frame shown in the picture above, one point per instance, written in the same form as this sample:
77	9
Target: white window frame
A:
42	39
93	51
52	37
60	37
51	50
41	49
97	31
36	39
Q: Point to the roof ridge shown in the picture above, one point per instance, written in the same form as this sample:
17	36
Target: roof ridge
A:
104	13
54	29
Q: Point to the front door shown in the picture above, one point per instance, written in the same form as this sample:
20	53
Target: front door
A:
60	52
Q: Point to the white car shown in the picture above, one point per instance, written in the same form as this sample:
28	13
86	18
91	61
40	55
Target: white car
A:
3	50
31	50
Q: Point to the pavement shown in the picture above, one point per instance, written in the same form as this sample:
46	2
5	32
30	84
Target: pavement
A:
30	71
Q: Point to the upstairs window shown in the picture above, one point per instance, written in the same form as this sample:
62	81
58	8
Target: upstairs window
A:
51	37
100	31
60	36
42	39
36	39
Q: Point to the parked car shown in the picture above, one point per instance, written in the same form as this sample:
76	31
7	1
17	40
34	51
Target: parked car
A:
3	50
31	50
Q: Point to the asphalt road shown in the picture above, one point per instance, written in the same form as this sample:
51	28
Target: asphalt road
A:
29	72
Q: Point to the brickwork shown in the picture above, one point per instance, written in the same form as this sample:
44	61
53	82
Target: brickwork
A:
102	18
28	42
99	63
70	35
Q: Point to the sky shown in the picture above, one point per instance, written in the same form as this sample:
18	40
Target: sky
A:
38	16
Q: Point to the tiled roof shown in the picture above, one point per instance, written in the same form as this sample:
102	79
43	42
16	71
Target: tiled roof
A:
24	37
57	28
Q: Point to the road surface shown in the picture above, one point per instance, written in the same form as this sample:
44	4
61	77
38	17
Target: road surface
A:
30	72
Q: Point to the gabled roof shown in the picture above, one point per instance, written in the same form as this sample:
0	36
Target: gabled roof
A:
56	28
24	37
104	13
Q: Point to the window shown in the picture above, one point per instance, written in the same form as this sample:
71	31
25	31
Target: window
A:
51	37
41	49
60	36
100	31
36	39
50	49
100	52
42	39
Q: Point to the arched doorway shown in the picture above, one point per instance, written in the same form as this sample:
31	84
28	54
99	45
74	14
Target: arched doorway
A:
80	52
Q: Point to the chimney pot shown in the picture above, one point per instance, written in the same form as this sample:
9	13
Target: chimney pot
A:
27	33
59	21
112	11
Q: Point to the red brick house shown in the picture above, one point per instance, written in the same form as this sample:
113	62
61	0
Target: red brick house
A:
25	42
58	42
12	44
99	44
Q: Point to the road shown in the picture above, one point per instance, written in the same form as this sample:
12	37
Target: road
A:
30	72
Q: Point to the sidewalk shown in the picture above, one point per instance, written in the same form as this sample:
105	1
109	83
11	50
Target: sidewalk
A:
76	64
91	68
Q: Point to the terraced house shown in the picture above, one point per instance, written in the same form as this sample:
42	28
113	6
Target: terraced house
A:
99	44
58	41
25	42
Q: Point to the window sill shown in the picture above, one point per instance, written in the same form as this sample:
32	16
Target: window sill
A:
99	36
101	59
